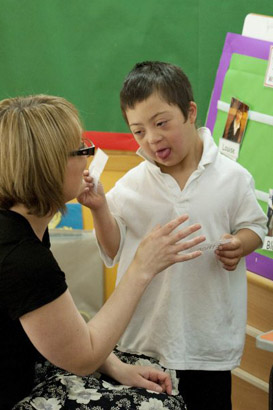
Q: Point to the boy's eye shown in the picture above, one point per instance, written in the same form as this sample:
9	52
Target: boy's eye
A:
161	123
138	132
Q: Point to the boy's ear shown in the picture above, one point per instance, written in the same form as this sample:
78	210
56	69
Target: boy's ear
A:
192	112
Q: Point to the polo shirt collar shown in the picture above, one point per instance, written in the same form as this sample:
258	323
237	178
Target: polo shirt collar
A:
210	149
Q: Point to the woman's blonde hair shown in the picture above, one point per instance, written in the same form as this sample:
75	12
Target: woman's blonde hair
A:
37	133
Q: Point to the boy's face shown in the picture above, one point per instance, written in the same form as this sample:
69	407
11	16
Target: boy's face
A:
162	132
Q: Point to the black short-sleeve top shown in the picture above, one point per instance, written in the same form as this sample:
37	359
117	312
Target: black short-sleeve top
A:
29	278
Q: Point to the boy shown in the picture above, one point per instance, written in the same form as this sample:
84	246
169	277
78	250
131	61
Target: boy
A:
193	316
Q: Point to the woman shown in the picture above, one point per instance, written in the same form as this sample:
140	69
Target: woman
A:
41	168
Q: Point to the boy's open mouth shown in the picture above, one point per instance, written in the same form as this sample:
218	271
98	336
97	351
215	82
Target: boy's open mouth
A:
163	153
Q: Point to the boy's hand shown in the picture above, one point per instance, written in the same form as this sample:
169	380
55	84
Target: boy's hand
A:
89	196
230	253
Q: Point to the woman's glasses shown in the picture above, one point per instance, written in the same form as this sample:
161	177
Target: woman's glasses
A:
85	150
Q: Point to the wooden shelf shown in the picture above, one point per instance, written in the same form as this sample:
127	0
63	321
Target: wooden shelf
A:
260	302
250	381
256	361
248	392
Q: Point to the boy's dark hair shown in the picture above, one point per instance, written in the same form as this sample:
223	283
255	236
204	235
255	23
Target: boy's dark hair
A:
149	76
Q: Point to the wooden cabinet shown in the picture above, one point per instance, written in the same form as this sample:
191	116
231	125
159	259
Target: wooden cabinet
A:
250	380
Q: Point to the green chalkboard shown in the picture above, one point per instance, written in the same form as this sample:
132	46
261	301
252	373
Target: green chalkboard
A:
82	49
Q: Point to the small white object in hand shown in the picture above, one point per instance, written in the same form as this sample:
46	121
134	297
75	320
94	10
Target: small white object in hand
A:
97	166
212	246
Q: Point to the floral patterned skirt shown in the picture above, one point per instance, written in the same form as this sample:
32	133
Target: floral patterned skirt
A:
57	389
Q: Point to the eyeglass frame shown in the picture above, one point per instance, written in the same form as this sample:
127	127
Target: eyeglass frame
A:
88	151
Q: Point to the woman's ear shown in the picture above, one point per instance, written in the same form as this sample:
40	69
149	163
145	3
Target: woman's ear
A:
192	112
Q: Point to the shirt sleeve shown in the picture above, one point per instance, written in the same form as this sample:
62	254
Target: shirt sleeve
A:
249	213
30	279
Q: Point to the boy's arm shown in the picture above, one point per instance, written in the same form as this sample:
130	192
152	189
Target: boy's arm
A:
107	230
249	240
241	244
248	222
106	227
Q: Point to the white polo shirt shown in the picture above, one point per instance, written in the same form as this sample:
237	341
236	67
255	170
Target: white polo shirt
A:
193	314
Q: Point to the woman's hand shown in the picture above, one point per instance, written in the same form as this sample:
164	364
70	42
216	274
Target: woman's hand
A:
89	196
162	247
146	377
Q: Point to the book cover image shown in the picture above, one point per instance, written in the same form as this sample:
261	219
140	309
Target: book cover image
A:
72	219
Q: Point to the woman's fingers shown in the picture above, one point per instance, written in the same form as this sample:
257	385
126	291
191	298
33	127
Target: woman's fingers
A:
187	256
185	232
184	245
172	225
182	234
156	380
168	228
